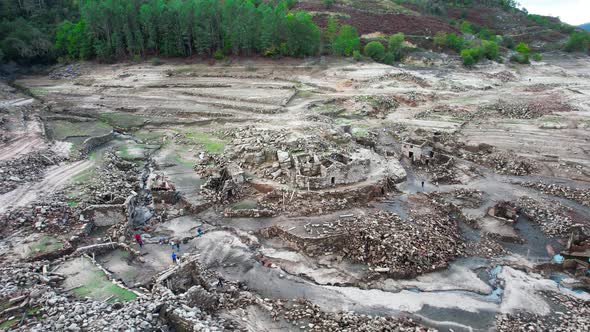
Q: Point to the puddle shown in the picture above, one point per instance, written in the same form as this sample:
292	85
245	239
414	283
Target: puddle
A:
535	241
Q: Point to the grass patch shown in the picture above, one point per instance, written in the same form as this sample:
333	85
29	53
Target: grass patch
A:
122	120
39	92
72	203
98	286
8	324
343	121
46	244
62	129
245	205
182	162
211	143
124	152
84	176
360	132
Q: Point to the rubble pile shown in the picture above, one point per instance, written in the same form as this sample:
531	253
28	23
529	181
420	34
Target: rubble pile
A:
525	110
402	77
4	137
303	203
376	105
575	316
49	217
66	72
505	163
503	76
30	287
309	317
579	195
467	198
454	112
401	249
440	171
553	217
28	168
487	247
116	180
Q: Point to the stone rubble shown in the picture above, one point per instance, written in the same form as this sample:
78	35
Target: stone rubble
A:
553	218
65	72
572	315
423	243
579	195
114	181
525	110
505	163
307	316
28	168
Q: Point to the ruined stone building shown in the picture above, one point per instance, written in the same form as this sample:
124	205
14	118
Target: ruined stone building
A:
318	172
418	150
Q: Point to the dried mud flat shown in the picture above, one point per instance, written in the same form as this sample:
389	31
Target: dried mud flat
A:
328	195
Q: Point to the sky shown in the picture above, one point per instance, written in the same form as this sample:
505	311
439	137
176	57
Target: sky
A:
574	12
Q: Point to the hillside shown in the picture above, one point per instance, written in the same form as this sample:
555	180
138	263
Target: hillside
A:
110	31
585	26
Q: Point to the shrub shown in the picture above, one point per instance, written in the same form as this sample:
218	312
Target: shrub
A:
328	3
468	59
347	41
519	58
490	49
218	55
508	42
356	55
537	57
440	39
389	58
523	49
375	50
578	42
156	61
396	45
455	42
467	27
137	58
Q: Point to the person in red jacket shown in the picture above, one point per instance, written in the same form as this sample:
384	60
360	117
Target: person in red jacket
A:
139	240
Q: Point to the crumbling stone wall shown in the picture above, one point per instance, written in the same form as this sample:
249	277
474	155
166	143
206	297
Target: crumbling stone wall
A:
336	174
93	142
106	215
309	245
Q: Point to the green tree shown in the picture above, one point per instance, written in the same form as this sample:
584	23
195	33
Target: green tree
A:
347	41
578	42
395	45
375	50
330	33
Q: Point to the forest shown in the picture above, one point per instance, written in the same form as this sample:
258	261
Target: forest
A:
45	30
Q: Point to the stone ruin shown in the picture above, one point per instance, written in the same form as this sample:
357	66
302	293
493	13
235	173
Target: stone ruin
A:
418	150
330	170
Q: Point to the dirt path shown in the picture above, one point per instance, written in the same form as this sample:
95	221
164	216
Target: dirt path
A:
20	146
55	179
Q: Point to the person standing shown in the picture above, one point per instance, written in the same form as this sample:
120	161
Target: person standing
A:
139	240
174	257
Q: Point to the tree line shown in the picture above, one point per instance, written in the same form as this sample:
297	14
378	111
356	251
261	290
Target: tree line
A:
110	29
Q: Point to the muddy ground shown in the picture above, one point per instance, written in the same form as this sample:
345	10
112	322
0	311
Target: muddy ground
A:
118	150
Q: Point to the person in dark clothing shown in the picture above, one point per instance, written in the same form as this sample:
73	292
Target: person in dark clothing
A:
220	281
178	246
174	257
422	184
199	232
